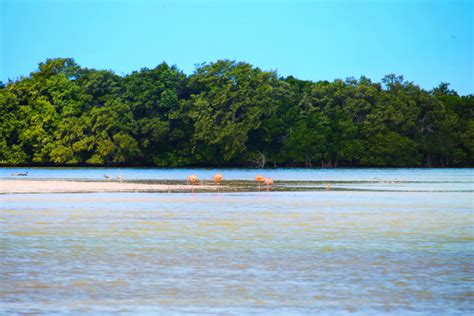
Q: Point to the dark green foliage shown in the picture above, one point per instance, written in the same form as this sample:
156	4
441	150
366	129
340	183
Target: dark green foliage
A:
228	113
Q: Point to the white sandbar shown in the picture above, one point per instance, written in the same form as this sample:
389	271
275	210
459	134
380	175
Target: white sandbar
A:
62	186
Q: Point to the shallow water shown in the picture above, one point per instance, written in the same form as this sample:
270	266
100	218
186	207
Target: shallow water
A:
275	253
286	179
459	175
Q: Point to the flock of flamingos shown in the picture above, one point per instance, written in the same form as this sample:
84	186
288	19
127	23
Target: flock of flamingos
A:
192	179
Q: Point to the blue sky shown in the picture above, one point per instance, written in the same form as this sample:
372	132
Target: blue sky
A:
426	41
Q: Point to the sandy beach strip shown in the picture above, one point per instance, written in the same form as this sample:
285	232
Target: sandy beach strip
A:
64	186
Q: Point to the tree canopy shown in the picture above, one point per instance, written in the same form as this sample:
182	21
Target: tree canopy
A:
228	113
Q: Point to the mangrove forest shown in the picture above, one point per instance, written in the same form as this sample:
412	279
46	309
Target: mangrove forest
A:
228	113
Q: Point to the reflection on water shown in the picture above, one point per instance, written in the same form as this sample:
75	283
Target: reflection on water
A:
274	253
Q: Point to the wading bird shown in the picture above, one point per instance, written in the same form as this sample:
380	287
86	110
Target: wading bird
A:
192	179
268	182
217	179
259	179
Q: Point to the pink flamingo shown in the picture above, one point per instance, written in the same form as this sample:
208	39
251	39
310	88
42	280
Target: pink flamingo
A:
259	179
192	179
268	182
217	179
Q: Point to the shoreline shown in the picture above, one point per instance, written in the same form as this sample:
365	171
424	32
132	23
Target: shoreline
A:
75	186
224	167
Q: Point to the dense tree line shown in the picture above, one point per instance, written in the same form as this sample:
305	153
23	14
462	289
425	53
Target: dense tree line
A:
228	113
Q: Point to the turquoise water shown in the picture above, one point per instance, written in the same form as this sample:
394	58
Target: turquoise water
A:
361	251
403	180
402	174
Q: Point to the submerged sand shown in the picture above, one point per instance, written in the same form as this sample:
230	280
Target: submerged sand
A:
62	186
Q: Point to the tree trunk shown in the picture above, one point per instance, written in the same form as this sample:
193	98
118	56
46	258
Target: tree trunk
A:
326	164
262	161
429	162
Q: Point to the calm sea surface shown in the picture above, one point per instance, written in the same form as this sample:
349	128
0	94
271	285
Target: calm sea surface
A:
381	241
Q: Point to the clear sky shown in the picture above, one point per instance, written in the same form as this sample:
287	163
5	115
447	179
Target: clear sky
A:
426	41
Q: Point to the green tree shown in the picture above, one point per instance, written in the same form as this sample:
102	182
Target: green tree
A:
232	100
228	113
